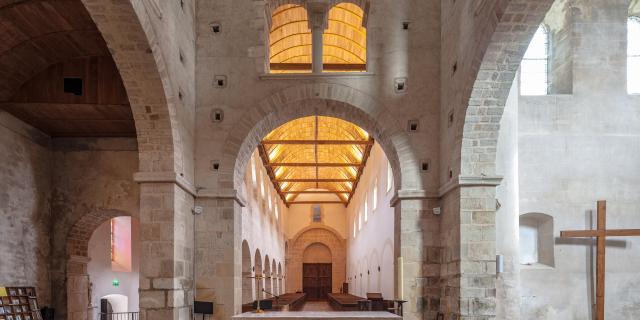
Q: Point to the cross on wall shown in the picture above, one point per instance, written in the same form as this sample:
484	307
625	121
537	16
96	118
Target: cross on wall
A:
600	233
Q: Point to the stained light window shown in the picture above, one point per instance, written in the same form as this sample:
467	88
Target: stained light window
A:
633	55
344	40
534	77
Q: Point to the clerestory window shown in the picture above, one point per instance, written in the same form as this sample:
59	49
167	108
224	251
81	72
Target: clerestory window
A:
633	55
534	71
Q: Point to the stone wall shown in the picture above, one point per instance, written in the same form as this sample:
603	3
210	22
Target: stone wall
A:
25	196
577	149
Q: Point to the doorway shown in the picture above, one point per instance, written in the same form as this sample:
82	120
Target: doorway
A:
316	280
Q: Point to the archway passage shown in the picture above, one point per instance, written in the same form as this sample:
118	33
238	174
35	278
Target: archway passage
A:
324	186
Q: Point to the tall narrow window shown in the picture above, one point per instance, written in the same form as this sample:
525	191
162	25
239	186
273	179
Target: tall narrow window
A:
277	211
360	221
354	227
374	204
389	177
534	78
633	55
262	182
366	208
253	171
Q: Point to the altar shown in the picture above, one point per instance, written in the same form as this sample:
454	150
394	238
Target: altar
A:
319	315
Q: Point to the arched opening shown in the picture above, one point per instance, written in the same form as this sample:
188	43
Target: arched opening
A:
268	279
113	303
280	279
247	283
321	170
104	260
259	273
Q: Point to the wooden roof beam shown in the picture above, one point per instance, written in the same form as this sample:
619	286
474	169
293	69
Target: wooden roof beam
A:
315	192
319	142
315	180
317	202
311	164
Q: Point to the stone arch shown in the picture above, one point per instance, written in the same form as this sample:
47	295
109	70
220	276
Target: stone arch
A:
247	284
305	238
274	277
493	78
77	246
267	274
127	31
280	279
326	99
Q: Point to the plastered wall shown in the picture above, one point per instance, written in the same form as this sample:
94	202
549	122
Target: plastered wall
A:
370	255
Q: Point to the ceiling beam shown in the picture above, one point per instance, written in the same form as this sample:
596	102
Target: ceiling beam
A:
325	66
311	164
315	180
365	157
317	202
315	192
319	142
262	151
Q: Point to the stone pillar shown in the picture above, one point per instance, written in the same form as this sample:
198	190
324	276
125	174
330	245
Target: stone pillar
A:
317	24
166	244
417	234
77	288
219	253
477	252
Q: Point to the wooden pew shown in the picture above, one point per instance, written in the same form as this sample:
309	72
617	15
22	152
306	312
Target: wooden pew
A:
344	301
285	302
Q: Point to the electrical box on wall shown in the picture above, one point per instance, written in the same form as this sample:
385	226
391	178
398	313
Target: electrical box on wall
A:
400	85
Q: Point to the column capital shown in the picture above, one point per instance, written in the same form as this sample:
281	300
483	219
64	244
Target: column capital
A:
165	177
469	181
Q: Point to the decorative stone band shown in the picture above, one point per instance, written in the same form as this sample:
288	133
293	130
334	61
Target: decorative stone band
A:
469	181
187	186
413	195
165	177
222	194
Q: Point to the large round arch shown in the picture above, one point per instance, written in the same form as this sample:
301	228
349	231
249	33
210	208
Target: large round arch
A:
324	99
309	236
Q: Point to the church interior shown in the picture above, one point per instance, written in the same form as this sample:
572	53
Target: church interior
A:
319	159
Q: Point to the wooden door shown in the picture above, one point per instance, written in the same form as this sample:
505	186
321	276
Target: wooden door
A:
316	280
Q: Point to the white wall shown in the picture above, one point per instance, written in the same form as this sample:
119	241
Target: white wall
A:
260	227
374	242
100	267
299	216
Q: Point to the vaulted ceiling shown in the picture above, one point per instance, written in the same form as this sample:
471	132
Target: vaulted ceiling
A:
316	155
42	42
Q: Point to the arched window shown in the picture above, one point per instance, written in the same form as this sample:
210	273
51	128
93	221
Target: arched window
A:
534	77
389	176
354	227
374	205
253	171
290	40
337	34
633	55
360	221
345	39
366	208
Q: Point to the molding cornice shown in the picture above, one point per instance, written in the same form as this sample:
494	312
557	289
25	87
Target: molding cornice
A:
165	177
469	181
412	195
222	195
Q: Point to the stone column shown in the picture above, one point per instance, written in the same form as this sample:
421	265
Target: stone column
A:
317	25
417	242
77	288
219	253
166	244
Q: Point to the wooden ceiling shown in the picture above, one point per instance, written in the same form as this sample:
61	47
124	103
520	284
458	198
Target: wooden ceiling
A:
316	155
42	42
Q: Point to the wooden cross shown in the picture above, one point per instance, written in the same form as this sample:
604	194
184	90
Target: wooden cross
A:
601	233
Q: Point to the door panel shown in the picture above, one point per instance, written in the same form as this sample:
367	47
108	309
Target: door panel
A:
316	280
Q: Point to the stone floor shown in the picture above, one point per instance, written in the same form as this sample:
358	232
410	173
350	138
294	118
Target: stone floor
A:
317	306
319	315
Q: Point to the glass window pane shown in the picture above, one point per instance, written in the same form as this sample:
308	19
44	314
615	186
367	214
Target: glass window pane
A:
633	75
534	78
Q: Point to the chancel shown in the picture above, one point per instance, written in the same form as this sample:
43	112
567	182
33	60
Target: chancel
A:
319	159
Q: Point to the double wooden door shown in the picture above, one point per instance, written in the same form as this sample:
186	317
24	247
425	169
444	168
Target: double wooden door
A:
316	280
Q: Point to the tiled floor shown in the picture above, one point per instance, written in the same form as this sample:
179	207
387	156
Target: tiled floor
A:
316	306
